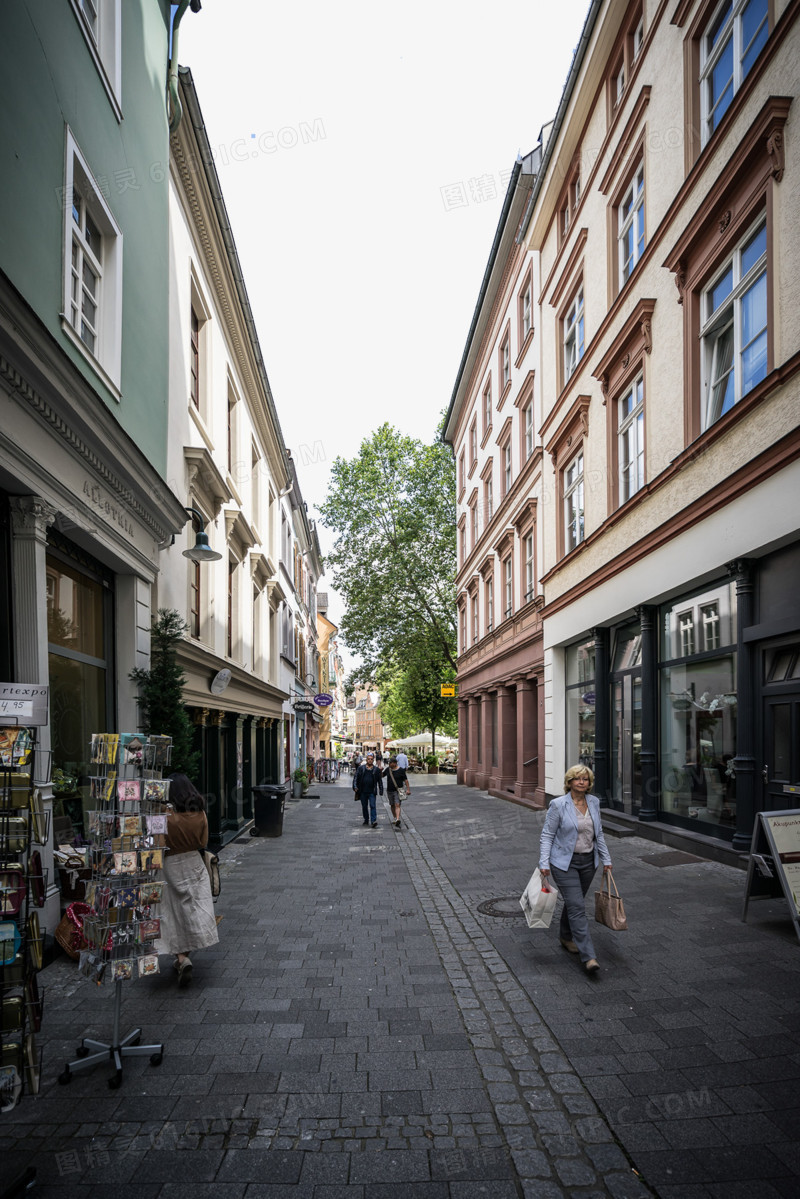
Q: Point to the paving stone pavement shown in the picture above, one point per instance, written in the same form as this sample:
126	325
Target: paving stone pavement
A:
360	1002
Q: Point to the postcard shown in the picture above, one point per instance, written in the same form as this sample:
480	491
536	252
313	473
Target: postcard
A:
129	826
122	969
129	790
151	893
150	929
157	823
156	790
152	859
148	965
125	863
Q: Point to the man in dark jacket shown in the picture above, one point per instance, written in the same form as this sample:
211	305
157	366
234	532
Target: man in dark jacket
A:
368	785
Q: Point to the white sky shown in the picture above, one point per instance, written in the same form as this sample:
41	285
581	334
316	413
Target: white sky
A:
336	128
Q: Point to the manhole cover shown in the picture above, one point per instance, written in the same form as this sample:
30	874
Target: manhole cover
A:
501	907
673	857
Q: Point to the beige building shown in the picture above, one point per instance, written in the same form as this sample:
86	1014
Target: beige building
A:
663	222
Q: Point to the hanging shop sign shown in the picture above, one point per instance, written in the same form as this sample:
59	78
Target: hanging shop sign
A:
448	689
303	705
220	681
323	700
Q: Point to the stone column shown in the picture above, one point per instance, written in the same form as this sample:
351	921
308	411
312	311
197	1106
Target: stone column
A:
30	519
484	768
473	717
744	763
651	788
464	745
527	740
504	775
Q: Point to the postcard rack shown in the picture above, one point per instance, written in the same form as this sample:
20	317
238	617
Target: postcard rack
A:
23	886
127	830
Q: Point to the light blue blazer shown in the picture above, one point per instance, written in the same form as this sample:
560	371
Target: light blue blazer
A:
560	832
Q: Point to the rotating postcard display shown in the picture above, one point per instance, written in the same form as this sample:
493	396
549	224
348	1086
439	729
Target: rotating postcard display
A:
119	921
23	831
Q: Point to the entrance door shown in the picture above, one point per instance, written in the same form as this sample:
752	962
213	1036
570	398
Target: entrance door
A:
780	724
626	747
781	768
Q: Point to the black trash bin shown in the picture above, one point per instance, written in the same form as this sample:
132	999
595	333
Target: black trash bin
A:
268	803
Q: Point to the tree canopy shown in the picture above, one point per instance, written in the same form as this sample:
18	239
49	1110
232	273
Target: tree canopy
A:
393	509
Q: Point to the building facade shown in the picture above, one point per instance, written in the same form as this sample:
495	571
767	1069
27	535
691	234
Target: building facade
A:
228	463
84	502
492	425
663	221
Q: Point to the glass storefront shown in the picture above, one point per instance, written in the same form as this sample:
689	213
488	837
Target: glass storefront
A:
79	633
580	696
626	719
699	709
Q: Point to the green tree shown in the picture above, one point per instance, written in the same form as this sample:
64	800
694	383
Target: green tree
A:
411	698
161	692
393	509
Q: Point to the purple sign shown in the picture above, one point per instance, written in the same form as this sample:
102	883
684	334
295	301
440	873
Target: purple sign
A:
322	701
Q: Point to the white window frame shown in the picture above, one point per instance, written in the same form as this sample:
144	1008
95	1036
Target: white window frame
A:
527	309
528	428
473	599
630	439
489	605
489	505
80	185
508	586
727	315
637	40
710	624
574	329
473	523
463	624
508	473
686	632
630	221
710	55
530	581
574	519
487	408
473	444
103	36
505	362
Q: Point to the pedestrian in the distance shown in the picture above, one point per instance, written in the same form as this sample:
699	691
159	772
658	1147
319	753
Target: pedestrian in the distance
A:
402	760
572	847
187	908
368	785
397	787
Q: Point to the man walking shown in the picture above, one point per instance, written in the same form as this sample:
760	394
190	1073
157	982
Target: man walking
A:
402	760
368	785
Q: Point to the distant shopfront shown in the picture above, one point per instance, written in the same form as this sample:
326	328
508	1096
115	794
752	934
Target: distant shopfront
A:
689	711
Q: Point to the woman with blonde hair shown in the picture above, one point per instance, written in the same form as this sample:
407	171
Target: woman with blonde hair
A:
572	847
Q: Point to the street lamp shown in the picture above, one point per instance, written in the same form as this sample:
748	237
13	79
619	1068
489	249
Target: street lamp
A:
201	551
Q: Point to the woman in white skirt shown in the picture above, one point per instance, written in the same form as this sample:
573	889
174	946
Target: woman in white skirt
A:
187	909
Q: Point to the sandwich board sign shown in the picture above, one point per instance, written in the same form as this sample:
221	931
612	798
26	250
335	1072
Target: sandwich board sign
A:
774	865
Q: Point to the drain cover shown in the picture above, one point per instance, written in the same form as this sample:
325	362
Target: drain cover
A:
673	857
508	906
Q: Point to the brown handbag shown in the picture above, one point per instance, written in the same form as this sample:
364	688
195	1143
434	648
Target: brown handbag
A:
609	909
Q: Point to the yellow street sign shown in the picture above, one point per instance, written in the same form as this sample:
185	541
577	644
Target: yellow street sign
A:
448	689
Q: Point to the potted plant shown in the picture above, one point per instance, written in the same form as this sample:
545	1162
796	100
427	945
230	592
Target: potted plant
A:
432	762
299	783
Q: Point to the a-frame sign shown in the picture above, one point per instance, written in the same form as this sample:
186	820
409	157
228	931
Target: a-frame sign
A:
774	865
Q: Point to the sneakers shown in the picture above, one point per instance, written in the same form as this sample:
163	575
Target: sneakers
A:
184	972
374	824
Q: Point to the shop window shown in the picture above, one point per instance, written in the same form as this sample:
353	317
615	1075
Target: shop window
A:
80	634
580	703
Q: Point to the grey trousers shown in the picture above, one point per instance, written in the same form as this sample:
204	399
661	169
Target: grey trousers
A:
573	883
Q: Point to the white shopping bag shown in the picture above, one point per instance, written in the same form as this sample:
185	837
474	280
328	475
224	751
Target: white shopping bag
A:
538	901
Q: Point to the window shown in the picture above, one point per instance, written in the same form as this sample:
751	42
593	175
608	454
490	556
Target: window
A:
473	445
686	633
93	271
256	659
101	25
505	362
474	609
527	430
255	493
526	310
462	541
507	471
195	599
630	225
489	605
463	626
530	578
618	84
730	44
488	500
580	696
710	625
734	330
230	437
508	586
624	58
194	360
487	407
231	635
461	473
637	38
630	433
473	523
573	503
573	334
570	199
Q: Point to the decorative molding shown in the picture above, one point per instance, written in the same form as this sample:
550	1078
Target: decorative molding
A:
31	517
626	138
203	476
565	279
776	153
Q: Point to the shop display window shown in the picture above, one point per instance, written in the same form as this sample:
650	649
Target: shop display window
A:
580	698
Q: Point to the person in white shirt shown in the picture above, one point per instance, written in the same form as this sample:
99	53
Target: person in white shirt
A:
402	760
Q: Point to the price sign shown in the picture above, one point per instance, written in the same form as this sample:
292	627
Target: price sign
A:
23	704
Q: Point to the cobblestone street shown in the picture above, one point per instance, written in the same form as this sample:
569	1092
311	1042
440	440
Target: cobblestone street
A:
364	1031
